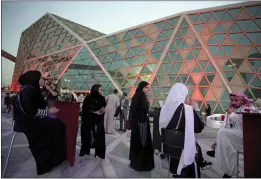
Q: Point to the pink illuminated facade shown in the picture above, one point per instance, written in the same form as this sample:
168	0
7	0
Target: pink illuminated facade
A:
213	51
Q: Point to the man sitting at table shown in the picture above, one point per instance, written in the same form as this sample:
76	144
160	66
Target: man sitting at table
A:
230	135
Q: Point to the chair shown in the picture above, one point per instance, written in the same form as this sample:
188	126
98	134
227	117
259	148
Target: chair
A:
172	146
16	130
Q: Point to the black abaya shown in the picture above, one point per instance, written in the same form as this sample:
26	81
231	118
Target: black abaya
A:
46	136
187	172
92	126
141	150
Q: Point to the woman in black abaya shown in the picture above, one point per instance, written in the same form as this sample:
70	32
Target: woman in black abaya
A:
141	150
92	126
46	136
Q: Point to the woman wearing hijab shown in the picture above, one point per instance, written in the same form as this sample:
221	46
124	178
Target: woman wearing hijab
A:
141	150
208	110
92	127
174	107
46	136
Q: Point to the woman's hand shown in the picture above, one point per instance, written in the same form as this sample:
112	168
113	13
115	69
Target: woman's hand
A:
213	146
53	110
100	112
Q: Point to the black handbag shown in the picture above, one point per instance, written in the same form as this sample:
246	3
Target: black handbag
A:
117	112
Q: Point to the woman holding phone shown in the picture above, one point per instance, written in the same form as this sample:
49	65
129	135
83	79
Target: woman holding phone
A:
92	126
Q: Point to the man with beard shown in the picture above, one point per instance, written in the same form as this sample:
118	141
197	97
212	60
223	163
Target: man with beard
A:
230	135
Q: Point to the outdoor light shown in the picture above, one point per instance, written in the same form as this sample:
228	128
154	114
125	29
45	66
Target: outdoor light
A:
65	79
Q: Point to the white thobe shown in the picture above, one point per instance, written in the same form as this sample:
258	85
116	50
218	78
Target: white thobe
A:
229	141
113	102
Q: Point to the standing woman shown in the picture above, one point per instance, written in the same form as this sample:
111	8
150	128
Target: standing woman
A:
141	150
46	136
92	127
208	110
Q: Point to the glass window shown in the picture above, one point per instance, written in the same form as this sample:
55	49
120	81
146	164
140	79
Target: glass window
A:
162	36
203	81
196	52
145	70
156	47
210	77
256	92
236	37
198	27
124	64
127	36
178	57
203	64
163	43
253	27
139	60
247	77
210	68
157	54
237	62
256	64
199	19
115	65
196	43
254	37
152	67
140	32
190	56
219	14
141	39
256	82
166	66
229	75
220	37
234	12
116	40
172	70
135	49
160	78
130	53
155	83
197	68
167	59
183	78
161	70
213	49
137	69
220	29
190	82
173	46
174	20
142	51
193	17
235	28
227	17
184	31
127	42
167	25
184	45
184	23
212	18
212	40
178	35
228	66
205	16
245	40
252	10
129	60
203	91
159	24
243	24
133	32
111	38
148	39
178	66
178	42
168	32
228	49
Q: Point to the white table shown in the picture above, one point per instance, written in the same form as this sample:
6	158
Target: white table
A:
214	121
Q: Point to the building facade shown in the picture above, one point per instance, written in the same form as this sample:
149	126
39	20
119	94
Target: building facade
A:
212	51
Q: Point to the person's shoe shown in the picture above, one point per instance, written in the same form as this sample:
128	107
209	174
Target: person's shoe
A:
226	176
205	165
211	153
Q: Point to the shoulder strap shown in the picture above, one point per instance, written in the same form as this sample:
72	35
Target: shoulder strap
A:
180	115
19	101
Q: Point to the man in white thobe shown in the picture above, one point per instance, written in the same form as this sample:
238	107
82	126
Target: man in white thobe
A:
113	102
230	136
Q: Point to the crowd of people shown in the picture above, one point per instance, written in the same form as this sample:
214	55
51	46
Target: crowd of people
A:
46	136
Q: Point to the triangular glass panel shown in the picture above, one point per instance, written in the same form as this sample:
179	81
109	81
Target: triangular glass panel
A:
148	39
139	60
184	23
130	53
142	51
227	17
178	35
111	38
218	109
140	32
172	70
184	45
220	37
137	69
225	95
196	43
172	78
229	66
205	16
156	47
115	65
184	31
145	70
254	54
166	25
203	91
236	37
129	60
178	80
145	77
196	52
178	42
161	95
237	62
161	70
197	68
253	27
173	46
160	78
166	91
106	65
155	82
127	36
190	82
220	53
210	68
166	66
203	81
245	41
199	19
212	18
133	32
124	64
234	12
118	75
167	59
219	14
168	32
178	57
219	29
213	49
163	43
159	24
198	27
183	78
116	40
229	75
228	50
141	39
157	55
128	42
190	56
162	36
248	94
178	66
193	17
235	28
252	10
256	92
247	77
256	64
152	67
254	37
256	82
243	24
203	64
174	20
210	77
212	40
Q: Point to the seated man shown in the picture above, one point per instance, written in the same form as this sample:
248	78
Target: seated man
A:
230	135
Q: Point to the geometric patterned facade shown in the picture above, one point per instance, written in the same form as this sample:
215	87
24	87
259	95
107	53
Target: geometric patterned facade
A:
212	51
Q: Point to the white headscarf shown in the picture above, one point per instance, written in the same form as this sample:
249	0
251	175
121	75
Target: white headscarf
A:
177	95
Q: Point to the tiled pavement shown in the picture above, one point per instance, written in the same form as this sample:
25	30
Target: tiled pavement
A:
115	165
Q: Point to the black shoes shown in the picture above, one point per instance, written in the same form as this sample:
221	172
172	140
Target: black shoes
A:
226	176
211	153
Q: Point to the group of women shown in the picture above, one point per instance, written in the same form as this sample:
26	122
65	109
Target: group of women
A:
46	136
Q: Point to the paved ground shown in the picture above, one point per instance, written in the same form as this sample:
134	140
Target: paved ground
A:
115	165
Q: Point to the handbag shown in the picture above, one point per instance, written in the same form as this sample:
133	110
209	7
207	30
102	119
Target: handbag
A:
117	112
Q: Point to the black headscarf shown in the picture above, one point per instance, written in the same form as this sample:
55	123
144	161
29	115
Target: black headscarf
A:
31	78
95	90
139	102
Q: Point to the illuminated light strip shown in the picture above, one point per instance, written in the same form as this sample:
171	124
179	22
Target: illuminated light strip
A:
166	49
90	51
208	53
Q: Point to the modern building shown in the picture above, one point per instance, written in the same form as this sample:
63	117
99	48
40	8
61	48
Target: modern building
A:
212	51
